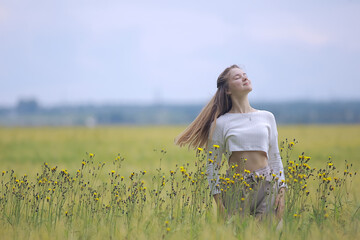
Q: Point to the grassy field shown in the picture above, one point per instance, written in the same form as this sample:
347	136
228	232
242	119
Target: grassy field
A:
25	150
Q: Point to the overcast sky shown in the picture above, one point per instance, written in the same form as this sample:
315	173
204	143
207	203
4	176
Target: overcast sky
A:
77	52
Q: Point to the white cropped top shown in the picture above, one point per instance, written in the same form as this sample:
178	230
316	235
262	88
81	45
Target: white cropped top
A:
253	131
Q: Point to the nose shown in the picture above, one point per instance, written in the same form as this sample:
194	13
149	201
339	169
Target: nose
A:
244	76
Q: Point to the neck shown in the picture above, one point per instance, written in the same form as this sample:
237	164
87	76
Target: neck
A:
241	105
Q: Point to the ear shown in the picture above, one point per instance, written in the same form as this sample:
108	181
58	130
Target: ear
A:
227	92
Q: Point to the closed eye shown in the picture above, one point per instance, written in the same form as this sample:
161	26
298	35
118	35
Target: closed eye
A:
239	76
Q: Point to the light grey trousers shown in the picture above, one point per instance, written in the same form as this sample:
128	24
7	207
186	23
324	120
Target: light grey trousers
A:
256	196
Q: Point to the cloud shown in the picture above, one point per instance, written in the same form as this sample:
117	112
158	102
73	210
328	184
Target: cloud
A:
160	28
291	35
285	28
324	25
3	14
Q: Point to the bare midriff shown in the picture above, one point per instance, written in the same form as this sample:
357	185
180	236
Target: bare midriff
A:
249	160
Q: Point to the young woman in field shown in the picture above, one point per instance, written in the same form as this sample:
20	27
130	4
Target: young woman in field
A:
248	138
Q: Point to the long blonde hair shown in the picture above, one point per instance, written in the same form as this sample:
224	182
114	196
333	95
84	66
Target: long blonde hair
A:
198	132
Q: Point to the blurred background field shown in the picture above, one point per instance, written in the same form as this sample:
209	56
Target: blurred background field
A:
25	149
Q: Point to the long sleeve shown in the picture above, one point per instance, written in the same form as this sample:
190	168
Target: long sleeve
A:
275	162
216	148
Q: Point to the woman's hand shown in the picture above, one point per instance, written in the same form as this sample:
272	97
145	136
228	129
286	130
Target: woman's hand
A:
280	203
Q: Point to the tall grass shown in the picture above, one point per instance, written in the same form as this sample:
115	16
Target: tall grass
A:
169	199
157	204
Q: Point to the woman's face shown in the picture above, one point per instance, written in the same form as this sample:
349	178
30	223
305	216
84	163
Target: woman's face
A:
238	82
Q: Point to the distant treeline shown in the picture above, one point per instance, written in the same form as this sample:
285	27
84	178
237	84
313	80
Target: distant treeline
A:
29	113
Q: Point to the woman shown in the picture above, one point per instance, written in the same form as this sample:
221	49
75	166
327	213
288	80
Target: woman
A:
248	138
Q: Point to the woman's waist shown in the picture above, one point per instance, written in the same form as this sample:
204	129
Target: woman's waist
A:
251	161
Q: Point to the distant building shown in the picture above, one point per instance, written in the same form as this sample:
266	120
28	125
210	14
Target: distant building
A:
25	106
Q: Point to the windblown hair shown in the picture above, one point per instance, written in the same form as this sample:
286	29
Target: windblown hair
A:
198	132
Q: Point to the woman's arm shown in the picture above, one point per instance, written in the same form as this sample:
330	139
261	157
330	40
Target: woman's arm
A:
215	150
274	154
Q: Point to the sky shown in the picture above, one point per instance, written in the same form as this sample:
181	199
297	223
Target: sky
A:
145	52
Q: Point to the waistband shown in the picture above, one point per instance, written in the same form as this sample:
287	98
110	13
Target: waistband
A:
265	171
